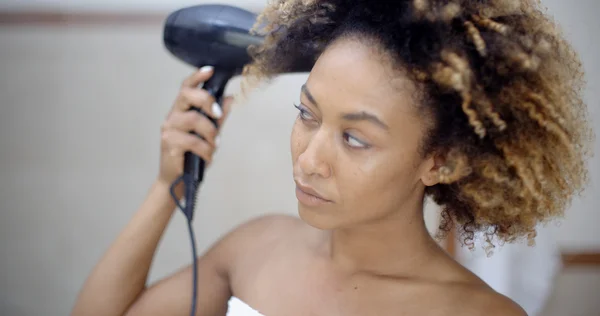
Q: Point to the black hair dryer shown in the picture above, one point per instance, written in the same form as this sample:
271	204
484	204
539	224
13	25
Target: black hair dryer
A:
213	35
218	36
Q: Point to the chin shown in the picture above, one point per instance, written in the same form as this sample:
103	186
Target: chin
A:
331	219
318	218
314	218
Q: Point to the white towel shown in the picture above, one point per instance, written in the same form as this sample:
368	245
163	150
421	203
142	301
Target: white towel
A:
238	307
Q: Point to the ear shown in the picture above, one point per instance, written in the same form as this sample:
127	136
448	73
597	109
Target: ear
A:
431	169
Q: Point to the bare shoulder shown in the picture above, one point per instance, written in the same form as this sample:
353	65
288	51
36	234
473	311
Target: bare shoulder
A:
259	235
482	300
265	228
478	297
497	304
503	305
440	298
493	303
461	292
252	244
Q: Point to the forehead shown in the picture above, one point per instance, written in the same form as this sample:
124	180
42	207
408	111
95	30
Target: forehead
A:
354	75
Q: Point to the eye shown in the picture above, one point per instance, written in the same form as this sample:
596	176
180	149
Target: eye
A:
355	142
304	113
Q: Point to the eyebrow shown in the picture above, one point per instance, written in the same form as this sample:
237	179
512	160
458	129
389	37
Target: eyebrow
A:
309	95
357	116
365	116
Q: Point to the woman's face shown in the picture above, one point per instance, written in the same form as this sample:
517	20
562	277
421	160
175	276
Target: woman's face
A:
356	140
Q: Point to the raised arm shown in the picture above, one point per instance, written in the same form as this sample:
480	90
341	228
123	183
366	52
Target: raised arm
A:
117	285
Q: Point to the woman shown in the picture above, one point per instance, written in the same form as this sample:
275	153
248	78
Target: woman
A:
473	103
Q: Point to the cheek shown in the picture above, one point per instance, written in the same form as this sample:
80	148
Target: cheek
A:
379	179
296	141
361	179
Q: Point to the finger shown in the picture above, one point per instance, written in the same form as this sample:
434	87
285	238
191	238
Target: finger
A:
198	98
178	142
226	105
198	77
192	121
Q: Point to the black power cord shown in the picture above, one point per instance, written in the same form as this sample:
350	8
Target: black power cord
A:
188	210
193	175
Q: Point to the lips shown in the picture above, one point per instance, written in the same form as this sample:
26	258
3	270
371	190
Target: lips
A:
311	192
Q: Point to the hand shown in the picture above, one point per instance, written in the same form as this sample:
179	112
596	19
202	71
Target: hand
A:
176	138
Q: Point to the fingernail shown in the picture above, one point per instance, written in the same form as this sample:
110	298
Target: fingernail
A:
217	140
216	110
206	68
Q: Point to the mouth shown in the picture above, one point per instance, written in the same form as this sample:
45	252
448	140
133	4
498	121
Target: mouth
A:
310	196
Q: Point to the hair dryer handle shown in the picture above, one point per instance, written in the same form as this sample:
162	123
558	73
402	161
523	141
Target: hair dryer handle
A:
194	165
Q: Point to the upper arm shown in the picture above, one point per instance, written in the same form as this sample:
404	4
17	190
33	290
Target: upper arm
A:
173	295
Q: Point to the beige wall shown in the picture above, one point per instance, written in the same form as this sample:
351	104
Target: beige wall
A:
580	23
117	5
576	293
74	166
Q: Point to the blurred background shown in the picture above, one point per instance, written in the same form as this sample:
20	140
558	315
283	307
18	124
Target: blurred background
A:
84	88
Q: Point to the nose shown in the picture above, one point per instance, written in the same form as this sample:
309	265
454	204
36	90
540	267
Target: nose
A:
315	159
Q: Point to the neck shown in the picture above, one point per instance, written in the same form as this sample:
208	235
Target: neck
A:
398	244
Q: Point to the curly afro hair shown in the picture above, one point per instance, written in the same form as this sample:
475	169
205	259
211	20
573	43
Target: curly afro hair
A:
502	86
